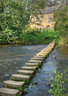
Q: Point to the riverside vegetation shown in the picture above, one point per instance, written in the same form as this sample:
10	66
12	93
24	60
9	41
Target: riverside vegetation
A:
28	36
58	83
15	20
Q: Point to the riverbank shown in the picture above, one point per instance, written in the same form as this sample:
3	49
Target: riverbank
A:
23	77
29	37
58	59
13	57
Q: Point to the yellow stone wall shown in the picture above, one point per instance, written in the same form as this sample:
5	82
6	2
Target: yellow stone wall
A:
44	22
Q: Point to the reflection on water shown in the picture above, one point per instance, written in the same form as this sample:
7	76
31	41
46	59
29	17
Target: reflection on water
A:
58	59
62	58
12	58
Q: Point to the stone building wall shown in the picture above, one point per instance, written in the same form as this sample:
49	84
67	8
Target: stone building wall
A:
46	22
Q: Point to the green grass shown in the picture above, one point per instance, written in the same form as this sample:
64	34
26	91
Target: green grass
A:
28	36
43	37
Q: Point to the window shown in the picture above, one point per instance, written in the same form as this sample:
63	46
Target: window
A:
40	19
33	19
48	19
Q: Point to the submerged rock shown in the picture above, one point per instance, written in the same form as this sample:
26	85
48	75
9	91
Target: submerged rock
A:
34	83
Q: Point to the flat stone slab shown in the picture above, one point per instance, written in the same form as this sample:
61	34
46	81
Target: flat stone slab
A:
35	61
20	77
8	92
39	56
25	72
32	64
29	68
13	84
35	58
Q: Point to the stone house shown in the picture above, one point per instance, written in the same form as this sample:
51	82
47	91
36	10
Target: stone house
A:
44	18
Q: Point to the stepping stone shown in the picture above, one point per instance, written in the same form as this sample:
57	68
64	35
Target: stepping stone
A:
27	72
35	61
20	77
39	56
29	68
8	92
32	64
13	84
45	53
35	58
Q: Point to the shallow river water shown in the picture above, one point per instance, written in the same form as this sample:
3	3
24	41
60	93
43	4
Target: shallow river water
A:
13	58
58	59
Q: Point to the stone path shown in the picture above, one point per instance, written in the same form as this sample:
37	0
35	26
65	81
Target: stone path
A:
15	86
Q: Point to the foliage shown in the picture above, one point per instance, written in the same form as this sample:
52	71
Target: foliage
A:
27	36
57	84
38	36
15	17
61	19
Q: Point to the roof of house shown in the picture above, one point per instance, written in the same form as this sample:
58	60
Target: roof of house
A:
49	10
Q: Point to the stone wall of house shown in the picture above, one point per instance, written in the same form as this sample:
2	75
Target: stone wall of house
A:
43	21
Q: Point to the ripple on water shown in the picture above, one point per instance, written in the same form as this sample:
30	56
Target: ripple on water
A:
50	64
13	57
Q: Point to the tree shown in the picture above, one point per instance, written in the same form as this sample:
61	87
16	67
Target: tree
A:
15	16
61	19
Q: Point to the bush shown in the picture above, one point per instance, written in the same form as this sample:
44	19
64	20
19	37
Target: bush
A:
61	18
58	84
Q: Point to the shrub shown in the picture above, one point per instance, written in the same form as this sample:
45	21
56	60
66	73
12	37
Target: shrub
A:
57	84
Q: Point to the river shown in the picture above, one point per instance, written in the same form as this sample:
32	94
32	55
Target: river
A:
13	58
58	59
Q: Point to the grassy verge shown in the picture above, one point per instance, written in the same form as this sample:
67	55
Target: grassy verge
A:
39	37
28	36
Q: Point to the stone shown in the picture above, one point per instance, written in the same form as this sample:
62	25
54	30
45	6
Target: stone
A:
35	58
35	61
32	64
54	57
8	92
39	56
25	72
34	83
13	84
20	77
29	68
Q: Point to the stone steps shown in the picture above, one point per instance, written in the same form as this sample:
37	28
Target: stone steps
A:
13	84
25	72
35	61
24	75
32	64
20	77
39	56
8	92
35	58
29	67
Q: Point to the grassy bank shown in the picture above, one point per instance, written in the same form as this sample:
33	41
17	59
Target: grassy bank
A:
39	38
29	36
